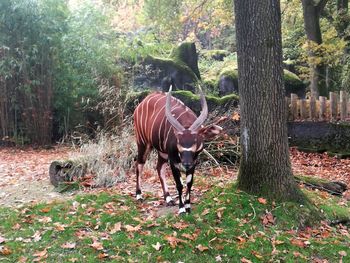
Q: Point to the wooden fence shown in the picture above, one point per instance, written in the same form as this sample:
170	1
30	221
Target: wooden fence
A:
336	108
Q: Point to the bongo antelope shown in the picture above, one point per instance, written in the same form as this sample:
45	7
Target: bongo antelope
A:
164	123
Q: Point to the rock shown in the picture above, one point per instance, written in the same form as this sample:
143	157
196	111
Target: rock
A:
180	70
215	54
293	84
228	82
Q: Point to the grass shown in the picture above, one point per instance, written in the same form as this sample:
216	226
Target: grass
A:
227	225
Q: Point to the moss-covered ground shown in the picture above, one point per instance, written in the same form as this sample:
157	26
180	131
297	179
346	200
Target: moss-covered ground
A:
227	225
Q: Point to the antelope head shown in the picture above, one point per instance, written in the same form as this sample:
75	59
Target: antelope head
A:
190	140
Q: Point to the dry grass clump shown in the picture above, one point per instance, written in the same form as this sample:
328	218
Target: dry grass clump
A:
108	157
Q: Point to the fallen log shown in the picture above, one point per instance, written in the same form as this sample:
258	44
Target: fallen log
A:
334	188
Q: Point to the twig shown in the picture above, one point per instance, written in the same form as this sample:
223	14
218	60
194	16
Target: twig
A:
254	215
211	157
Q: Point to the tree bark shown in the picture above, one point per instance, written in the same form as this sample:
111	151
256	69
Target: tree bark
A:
265	167
342	4
311	14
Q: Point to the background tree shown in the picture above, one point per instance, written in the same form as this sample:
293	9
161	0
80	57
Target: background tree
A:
265	167
312	12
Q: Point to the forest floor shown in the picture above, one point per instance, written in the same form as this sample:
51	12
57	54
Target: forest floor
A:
226	224
24	176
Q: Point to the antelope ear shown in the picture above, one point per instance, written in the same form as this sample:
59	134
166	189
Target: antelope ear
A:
210	131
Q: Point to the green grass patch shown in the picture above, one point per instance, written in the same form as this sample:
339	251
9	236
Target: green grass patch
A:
227	225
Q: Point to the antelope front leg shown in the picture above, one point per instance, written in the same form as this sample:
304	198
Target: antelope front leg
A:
161	169
189	183
143	152
139	169
179	186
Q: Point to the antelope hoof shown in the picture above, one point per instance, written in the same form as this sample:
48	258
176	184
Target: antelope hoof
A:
188	208
169	201
182	211
139	197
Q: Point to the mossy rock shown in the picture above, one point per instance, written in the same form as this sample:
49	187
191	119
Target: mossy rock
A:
320	137
186	53
311	149
293	84
339	155
180	69
191	100
215	54
227	81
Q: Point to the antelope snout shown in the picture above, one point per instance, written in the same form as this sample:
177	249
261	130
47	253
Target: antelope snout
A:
187	166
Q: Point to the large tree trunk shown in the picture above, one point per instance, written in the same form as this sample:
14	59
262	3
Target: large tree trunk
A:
311	13
265	167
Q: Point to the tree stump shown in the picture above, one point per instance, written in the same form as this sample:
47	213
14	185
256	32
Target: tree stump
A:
66	171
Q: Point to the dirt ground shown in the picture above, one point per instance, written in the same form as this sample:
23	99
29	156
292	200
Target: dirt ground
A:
24	177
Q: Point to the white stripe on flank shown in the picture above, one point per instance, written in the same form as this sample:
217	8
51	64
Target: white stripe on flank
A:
154	120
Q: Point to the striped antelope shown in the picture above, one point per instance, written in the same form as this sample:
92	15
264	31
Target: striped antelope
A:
164	123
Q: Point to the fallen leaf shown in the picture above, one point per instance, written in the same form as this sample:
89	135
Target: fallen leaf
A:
116	228
45	209
40	255
218	258
130	228
262	200
298	242
68	245
189	236
180	225
16	226
256	254
5	251
244	260
59	227
2	240
45	219
22	259
268	219
205	212
235	116
241	239
103	255
342	253
202	248
173	241
37	236
96	245
157	246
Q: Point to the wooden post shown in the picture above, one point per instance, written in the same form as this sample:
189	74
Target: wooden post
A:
294	106
333	105
313	108
323	107
343	105
303	109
